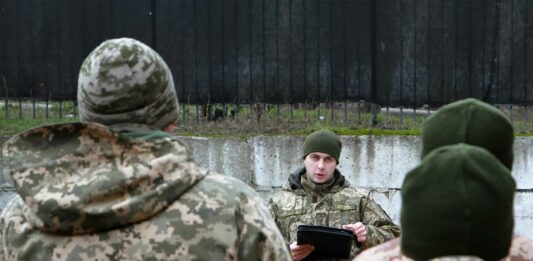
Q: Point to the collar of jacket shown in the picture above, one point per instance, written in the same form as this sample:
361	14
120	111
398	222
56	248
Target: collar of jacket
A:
294	183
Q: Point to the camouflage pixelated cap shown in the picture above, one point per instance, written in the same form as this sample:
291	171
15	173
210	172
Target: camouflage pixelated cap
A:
324	141
125	81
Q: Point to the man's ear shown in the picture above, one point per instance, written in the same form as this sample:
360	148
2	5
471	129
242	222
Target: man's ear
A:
170	127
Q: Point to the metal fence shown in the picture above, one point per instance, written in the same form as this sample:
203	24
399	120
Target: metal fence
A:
282	55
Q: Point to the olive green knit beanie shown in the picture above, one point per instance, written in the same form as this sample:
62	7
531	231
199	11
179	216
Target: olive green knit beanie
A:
472	122
125	81
324	141
457	201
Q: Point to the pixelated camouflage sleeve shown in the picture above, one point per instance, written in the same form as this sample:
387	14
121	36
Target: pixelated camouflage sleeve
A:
379	225
259	235
272	208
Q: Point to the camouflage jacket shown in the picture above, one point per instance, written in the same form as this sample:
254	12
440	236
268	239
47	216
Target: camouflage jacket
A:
521	250
88	193
339	205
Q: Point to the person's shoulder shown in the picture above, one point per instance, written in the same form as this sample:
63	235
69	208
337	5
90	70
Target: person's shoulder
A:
224	179
283	195
227	185
391	251
354	192
521	248
457	258
53	135
49	131
226	194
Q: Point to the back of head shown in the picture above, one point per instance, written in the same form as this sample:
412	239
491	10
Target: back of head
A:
457	201
324	141
472	122
125	81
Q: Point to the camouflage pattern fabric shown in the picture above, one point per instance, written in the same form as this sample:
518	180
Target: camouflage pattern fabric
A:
340	205
521	250
125	81
86	193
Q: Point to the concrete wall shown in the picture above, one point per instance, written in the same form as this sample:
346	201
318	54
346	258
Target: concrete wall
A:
377	163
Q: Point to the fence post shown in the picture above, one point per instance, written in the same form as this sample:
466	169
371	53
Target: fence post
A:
5	96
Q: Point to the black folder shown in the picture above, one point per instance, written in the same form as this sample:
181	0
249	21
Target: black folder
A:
328	241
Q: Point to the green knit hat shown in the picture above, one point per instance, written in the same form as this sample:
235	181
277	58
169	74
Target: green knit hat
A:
457	201
472	122
324	141
126	81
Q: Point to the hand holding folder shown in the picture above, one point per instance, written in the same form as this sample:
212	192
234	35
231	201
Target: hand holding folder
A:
328	241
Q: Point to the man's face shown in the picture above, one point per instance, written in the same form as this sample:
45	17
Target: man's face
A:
319	167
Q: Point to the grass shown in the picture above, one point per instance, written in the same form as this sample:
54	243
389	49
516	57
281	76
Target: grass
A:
293	120
252	120
23	114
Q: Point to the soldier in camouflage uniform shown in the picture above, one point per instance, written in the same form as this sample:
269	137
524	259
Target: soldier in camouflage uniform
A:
118	187
318	194
473	122
457	203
